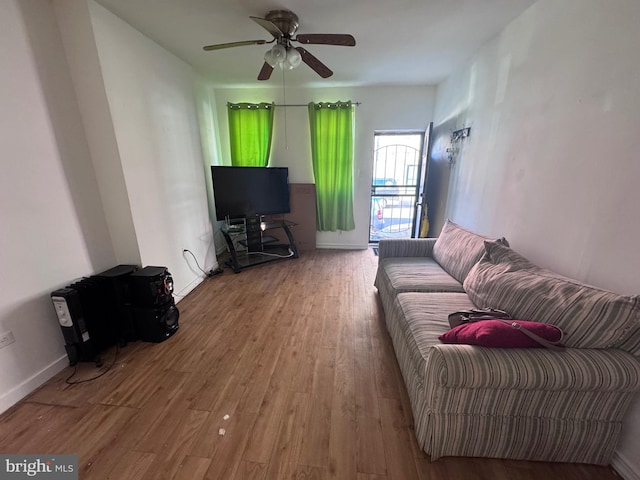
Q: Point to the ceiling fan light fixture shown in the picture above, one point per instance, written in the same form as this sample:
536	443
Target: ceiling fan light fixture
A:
277	54
268	57
293	58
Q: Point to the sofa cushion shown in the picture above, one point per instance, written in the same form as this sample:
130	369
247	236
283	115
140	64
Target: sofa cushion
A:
498	334
417	274
590	317
457	250
420	319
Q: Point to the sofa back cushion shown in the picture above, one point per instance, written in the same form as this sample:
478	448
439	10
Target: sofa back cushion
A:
457	250
589	316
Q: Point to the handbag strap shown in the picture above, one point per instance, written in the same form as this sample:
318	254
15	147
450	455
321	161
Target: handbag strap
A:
494	312
557	346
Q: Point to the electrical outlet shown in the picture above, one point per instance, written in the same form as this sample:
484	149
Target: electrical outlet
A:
6	338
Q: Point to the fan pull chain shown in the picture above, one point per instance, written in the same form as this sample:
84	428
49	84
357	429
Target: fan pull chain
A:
284	98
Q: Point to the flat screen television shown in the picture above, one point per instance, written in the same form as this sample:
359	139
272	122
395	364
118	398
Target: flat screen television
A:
249	191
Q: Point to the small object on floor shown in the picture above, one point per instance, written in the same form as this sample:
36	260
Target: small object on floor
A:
222	431
226	417
375	251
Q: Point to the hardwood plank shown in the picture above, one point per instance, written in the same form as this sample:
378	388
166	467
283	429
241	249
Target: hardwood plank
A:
370	441
260	379
310	328
228	453
383	359
482	468
315	445
400	463
192	468
343	439
250	471
118	462
131	465
305	472
174	450
18	425
275	403
370	453
284	459
95	436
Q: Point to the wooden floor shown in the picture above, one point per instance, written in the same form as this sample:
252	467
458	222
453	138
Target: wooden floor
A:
295	352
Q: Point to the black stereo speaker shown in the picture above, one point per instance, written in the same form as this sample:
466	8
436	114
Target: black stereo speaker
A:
151	287
115	292
156	324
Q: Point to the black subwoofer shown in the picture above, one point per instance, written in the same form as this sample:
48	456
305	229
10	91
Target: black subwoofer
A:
156	324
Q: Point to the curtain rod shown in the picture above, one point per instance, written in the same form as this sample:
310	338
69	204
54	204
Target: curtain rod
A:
305	104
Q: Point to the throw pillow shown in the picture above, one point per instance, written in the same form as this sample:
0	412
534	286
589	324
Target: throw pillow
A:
496	333
457	249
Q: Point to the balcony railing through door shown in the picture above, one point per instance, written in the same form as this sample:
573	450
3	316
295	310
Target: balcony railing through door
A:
394	187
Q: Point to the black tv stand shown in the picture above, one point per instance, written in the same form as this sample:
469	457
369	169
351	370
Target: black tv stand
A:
260	248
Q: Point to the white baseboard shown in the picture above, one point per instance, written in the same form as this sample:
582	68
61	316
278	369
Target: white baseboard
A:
340	246
17	393
625	468
186	290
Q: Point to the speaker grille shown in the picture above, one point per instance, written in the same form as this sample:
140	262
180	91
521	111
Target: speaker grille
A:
156	324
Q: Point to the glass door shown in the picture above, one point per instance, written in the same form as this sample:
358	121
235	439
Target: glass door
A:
396	184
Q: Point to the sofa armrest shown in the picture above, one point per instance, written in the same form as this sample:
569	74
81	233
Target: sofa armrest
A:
532	404
465	366
405	247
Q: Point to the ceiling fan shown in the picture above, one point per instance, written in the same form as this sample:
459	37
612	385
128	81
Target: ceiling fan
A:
282	25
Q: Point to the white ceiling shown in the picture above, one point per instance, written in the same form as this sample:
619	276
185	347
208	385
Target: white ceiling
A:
404	42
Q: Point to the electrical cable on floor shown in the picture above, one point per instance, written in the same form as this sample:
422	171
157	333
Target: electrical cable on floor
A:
272	254
209	274
75	370
196	260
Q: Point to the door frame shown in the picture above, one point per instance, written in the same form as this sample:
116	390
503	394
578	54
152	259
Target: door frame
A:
419	185
421	205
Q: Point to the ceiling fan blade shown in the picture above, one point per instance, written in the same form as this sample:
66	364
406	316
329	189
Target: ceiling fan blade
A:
344	40
269	26
220	46
265	72
315	64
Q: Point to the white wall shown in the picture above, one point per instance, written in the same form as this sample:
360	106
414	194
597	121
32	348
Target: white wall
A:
152	100
208	119
382	108
552	161
53	226
86	74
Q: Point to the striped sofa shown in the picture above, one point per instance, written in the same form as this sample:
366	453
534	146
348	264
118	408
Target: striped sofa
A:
532	404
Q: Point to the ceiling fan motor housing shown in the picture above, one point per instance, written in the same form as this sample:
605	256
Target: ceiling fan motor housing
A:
285	20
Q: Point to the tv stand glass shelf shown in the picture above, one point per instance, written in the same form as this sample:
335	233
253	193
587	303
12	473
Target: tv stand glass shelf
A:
257	246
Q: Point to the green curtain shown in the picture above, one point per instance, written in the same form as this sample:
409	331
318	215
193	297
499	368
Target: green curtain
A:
332	155
250	133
